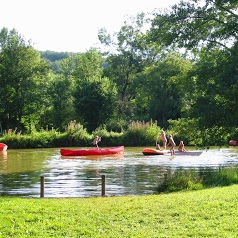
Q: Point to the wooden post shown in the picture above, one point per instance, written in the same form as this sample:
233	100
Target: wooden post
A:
42	186
103	185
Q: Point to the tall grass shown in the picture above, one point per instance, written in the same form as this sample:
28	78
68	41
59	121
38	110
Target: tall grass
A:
137	134
222	177
36	139
141	133
180	180
77	134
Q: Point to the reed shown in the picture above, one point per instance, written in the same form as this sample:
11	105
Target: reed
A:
141	133
181	180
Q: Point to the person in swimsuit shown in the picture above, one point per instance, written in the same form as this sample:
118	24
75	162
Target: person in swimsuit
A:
157	146
181	147
164	139
172	144
96	140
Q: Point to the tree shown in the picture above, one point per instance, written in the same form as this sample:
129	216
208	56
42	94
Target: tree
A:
95	101
61	88
86	65
194	24
210	29
23	76
217	83
165	88
93	95
130	53
61	110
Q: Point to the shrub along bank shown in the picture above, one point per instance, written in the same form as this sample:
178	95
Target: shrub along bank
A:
136	134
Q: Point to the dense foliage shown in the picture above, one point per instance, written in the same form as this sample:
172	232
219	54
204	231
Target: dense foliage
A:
23	79
178	68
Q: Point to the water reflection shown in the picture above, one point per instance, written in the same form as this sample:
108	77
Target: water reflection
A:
131	173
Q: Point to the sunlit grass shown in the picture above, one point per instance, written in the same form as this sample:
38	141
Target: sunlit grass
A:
204	213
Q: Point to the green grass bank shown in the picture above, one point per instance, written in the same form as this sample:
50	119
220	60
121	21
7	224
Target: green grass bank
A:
204	213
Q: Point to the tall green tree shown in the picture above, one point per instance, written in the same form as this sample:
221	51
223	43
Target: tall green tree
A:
23	79
164	89
95	100
94	95
194	24
215	102
61	88
129	53
86	65
210	29
61	110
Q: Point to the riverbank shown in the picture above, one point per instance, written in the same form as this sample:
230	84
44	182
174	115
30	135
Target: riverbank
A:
136	134
204	213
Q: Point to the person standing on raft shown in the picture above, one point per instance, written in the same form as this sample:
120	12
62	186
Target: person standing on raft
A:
172	144
164	139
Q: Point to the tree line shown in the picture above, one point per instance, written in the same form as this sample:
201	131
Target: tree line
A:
177	67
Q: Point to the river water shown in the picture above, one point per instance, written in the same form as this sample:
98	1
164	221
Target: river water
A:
130	173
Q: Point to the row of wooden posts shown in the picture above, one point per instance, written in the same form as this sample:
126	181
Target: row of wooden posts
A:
42	186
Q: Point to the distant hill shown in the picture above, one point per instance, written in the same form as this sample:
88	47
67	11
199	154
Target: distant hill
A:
54	56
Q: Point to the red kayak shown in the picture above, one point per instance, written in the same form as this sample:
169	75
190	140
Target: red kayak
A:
3	147
94	151
148	151
233	142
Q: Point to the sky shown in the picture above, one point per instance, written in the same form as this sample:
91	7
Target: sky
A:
70	25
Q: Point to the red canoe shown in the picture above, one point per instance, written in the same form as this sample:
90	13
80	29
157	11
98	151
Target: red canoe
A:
94	151
148	151
3	147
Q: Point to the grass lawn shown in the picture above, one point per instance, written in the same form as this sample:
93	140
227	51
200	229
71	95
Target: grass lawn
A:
204	213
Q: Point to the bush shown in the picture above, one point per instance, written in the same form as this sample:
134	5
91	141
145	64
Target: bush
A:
109	138
141	134
190	131
77	134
